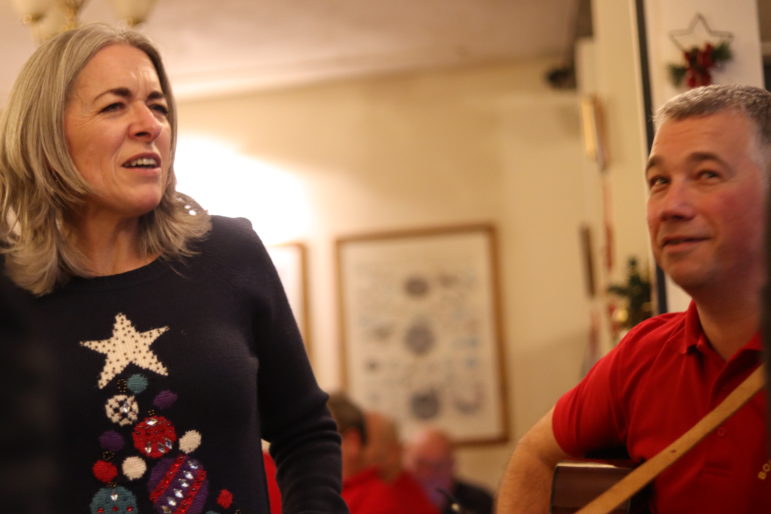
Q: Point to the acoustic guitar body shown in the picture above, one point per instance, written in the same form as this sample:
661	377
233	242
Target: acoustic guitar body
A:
576	483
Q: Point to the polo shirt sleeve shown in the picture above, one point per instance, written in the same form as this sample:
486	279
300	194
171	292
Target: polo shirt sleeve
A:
593	415
586	417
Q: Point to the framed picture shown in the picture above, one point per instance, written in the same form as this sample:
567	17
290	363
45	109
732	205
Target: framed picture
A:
290	260
420	328
593	130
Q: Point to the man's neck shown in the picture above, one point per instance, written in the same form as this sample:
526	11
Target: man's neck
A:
729	321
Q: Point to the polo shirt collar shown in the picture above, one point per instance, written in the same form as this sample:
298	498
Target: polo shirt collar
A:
695	338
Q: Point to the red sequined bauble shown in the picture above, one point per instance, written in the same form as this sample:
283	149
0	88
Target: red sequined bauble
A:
154	437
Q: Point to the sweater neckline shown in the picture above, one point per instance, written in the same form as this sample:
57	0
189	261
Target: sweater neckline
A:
119	280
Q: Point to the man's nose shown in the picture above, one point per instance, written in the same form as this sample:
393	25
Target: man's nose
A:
675	202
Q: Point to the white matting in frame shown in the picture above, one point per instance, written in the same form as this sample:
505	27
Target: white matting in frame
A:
421	329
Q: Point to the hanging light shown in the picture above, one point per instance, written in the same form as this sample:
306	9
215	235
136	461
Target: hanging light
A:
133	12
46	18
32	11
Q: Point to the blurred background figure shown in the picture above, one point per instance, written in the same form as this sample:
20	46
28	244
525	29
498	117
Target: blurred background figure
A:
384	451
429	457
274	492
363	489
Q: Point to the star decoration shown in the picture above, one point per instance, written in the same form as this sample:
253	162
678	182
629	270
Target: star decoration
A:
127	346
697	33
703	50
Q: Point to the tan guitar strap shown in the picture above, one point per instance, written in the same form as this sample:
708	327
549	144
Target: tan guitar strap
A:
637	479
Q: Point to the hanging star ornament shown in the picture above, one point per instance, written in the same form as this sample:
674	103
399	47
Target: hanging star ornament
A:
127	346
703	49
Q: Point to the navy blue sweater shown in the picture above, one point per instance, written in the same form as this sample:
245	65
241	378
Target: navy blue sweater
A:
170	375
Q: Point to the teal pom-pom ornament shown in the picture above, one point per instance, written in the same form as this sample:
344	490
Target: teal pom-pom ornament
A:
137	383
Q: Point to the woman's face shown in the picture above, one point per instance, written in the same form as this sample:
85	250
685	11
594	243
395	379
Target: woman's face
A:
118	133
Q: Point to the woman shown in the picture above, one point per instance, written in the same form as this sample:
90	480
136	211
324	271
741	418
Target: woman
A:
175	346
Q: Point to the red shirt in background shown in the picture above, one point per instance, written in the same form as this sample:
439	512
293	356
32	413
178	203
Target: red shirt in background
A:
367	493
274	494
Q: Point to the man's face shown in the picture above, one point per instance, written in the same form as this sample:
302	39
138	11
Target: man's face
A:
706	203
430	462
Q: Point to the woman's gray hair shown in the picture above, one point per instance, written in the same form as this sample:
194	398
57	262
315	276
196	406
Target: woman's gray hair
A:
40	188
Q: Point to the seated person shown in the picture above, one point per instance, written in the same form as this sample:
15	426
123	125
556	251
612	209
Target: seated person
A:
708	179
274	493
363	489
429	456
384	451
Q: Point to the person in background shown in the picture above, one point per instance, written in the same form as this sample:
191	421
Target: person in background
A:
384	452
429	456
708	177
274	493
174	346
363	489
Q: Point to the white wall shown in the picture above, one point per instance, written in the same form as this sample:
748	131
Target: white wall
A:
619	89
492	143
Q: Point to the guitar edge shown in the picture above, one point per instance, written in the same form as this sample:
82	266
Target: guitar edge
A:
577	482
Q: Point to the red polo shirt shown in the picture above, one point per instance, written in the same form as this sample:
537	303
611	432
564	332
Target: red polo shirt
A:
655	385
411	495
367	493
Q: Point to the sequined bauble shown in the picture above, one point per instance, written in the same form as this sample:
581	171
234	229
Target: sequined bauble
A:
154	437
178	485
122	409
114	500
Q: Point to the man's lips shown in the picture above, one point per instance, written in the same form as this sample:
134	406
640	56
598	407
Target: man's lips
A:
679	241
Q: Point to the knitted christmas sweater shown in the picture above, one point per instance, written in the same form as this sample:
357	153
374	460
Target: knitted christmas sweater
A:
170	375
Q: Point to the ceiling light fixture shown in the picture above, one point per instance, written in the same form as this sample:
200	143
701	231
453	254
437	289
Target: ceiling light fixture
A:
46	18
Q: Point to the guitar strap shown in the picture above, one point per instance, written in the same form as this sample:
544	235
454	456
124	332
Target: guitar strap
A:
641	476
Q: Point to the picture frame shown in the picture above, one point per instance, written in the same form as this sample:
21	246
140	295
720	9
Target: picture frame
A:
420	329
291	262
593	130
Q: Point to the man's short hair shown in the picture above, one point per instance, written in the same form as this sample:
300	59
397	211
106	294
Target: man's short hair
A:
348	415
753	102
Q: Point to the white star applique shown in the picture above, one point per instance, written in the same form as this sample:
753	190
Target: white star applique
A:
126	346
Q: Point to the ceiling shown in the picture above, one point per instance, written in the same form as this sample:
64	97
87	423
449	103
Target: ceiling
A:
249	44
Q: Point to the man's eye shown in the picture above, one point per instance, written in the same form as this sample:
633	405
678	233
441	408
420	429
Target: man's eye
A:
656	180
708	174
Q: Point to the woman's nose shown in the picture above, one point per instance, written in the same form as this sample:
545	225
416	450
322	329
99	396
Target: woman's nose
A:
145	124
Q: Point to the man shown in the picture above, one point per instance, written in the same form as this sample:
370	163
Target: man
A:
363	489
384	452
707	175
429	456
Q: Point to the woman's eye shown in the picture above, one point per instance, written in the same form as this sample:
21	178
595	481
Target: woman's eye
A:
112	107
160	108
